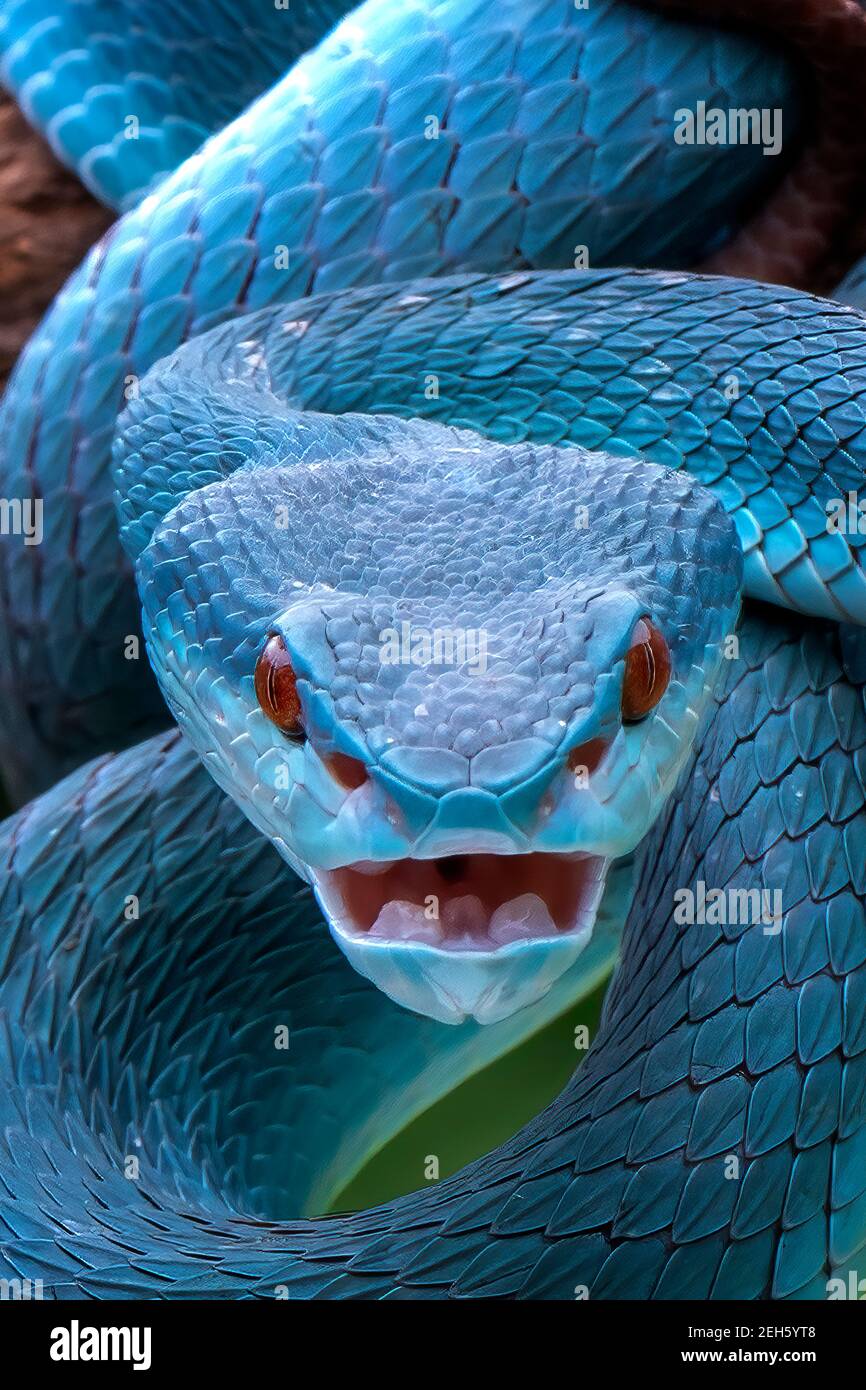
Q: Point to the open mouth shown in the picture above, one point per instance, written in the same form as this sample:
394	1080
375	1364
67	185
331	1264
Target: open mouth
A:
469	902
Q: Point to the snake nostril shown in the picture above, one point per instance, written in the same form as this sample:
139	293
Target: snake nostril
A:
349	772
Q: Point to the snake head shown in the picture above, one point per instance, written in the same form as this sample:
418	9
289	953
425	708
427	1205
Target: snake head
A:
452	681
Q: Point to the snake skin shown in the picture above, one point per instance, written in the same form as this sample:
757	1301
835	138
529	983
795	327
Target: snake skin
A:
757	391
712	1145
80	68
715	1043
311	191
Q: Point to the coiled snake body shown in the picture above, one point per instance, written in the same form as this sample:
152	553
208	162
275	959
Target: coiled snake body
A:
610	460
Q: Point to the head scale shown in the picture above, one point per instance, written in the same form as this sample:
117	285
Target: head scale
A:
494	658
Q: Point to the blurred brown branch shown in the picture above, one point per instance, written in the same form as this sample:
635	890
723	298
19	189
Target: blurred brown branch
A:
47	222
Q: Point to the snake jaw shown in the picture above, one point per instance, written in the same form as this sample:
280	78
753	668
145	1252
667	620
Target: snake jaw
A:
471	936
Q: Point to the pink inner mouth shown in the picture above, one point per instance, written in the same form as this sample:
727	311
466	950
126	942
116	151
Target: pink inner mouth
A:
466	902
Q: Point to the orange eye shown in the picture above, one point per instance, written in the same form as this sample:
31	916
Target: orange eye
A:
647	671
277	688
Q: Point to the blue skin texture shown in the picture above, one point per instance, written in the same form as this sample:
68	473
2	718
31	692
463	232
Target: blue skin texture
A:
153	1033
473	761
553	132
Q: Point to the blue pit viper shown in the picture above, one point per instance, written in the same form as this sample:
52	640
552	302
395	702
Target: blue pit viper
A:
335	383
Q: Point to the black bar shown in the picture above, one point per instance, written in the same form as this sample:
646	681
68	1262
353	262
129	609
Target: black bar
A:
297	1340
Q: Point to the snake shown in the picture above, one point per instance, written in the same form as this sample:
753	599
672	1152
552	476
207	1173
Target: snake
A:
497	636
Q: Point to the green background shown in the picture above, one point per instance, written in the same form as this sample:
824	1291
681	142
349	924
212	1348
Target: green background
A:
479	1114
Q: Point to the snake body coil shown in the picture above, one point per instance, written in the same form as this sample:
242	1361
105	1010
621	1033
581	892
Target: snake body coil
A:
355	392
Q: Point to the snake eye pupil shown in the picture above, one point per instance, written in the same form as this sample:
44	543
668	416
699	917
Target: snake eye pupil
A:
277	688
647	671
